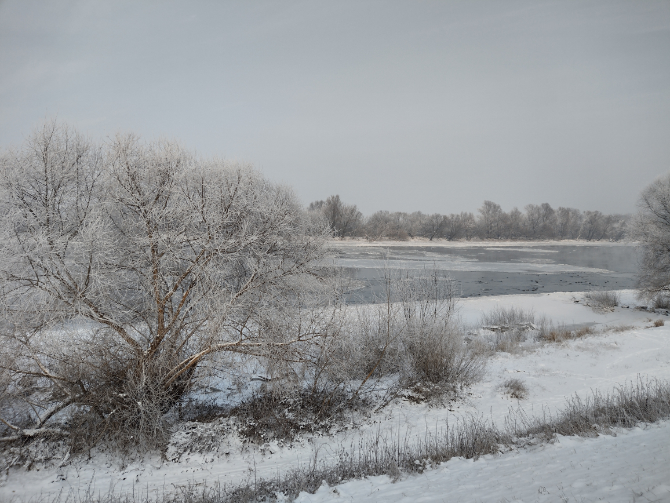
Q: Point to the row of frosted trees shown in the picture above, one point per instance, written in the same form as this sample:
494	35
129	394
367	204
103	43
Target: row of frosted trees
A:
491	222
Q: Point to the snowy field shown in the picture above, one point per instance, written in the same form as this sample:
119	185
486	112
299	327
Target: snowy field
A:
634	465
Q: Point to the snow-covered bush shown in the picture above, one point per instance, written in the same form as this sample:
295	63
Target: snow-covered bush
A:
560	333
411	333
507	317
125	267
504	328
602	300
661	302
652	230
515	388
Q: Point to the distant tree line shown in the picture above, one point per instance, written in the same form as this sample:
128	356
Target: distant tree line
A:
490	222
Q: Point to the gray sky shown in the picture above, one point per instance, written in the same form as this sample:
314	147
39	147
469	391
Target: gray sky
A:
415	105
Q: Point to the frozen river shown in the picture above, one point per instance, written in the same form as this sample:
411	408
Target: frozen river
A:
495	268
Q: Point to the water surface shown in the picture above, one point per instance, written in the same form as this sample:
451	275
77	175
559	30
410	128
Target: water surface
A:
496	269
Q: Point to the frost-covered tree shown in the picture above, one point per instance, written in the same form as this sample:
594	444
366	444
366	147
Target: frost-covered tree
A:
344	219
652	229
547	221
490	220
533	220
568	223
619	228
469	225
594	226
415	224
386	225
125	268
453	227
433	226
515	224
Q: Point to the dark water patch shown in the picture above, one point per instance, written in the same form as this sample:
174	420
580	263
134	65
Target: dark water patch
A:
483	271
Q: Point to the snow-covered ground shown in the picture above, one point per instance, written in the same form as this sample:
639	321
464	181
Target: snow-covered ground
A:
617	468
633	466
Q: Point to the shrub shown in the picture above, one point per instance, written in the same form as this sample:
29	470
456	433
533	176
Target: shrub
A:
407	345
515	388
602	300
408	336
428	345
550	333
661	302
438	355
508	317
620	328
509	327
267	416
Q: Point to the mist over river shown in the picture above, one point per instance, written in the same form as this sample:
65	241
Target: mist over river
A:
492	268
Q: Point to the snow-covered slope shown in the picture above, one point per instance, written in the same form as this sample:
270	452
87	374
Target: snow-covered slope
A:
551	372
633	466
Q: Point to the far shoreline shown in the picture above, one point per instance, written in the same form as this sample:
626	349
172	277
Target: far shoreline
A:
474	243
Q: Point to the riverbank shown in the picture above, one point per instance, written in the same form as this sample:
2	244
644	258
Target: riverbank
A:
624	344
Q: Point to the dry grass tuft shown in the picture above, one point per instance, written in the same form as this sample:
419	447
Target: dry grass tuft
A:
560	334
659	323
602	300
505	317
508	328
515	388
265	417
620	328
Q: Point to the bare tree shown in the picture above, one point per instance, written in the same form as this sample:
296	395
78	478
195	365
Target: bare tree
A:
568	223
386	225
414	223
433	225
490	220
619	227
538	222
547	221
452	227
344	219
533	220
515	223
652	229
594	226
124	269
316	205
469	225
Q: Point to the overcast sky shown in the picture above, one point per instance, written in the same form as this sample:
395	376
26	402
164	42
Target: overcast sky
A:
415	105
